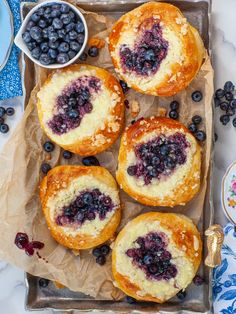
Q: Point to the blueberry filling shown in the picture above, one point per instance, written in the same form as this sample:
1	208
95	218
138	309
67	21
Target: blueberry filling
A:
88	205
159	157
73	103
152	256
148	52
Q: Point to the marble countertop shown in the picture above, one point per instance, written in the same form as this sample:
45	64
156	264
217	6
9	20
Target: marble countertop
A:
12	287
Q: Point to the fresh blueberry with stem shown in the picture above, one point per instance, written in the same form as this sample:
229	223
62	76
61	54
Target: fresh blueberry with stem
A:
44	47
63	47
67	154
200	136
48	146
93	51
197	119
173	114
224	119
45	167
174	105
197	96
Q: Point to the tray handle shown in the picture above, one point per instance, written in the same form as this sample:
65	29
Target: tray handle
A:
215	238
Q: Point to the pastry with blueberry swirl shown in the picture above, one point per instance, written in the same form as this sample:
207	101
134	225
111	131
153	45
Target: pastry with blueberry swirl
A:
155	50
81	108
156	255
81	205
159	162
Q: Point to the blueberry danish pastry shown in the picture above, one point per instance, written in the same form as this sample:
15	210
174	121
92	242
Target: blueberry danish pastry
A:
159	162
155	50
81	108
81	205
156	255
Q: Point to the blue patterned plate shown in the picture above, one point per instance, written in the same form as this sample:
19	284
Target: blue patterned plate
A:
6	32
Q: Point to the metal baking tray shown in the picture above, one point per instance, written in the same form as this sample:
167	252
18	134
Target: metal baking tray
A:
198	299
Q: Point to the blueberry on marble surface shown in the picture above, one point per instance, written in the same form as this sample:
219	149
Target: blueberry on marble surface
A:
229	86
224	105
224	119
219	93
4	128
234	122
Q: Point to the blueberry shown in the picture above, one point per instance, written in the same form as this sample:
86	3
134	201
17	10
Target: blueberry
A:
83	56
230	112
2	111
132	170
93	51
53	44
43	283
45	168
53	36
61	33
75	46
229	96
55	13
198	280
87	198
57	23
234	122
30	25
169	163
181	295
10	111
42	23
72	35
164	150
72	15
217	102
153	269
219	93
192	127
90	161
35	53
173	114
197	119
71	54
224	106
101	260
124	86
65	8
35	17
52	53
26	37
200	136
56	6
63	47
197	96
66	19
155	161
45	33
36	32
4	128
31	45
73	114
174	105
150	55
48	147
105	249
148	260
96	252
80	38
44	47
79	27
232	104
62	58
70	27
45	59
130	300
67	38
67	154
224	119
229	86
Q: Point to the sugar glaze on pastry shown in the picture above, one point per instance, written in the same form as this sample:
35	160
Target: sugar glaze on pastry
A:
81	205
156	255
81	108
155	50
159	162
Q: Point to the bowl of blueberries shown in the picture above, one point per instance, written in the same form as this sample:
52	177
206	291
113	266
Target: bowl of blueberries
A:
53	34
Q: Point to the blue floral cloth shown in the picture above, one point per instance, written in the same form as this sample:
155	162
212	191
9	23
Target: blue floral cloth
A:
10	76
224	276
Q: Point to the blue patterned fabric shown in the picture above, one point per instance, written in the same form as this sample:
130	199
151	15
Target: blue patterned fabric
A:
10	76
224	276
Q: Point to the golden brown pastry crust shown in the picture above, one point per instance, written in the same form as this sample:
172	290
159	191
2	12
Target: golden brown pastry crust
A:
87	145
192	52
185	190
58	179
172	222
